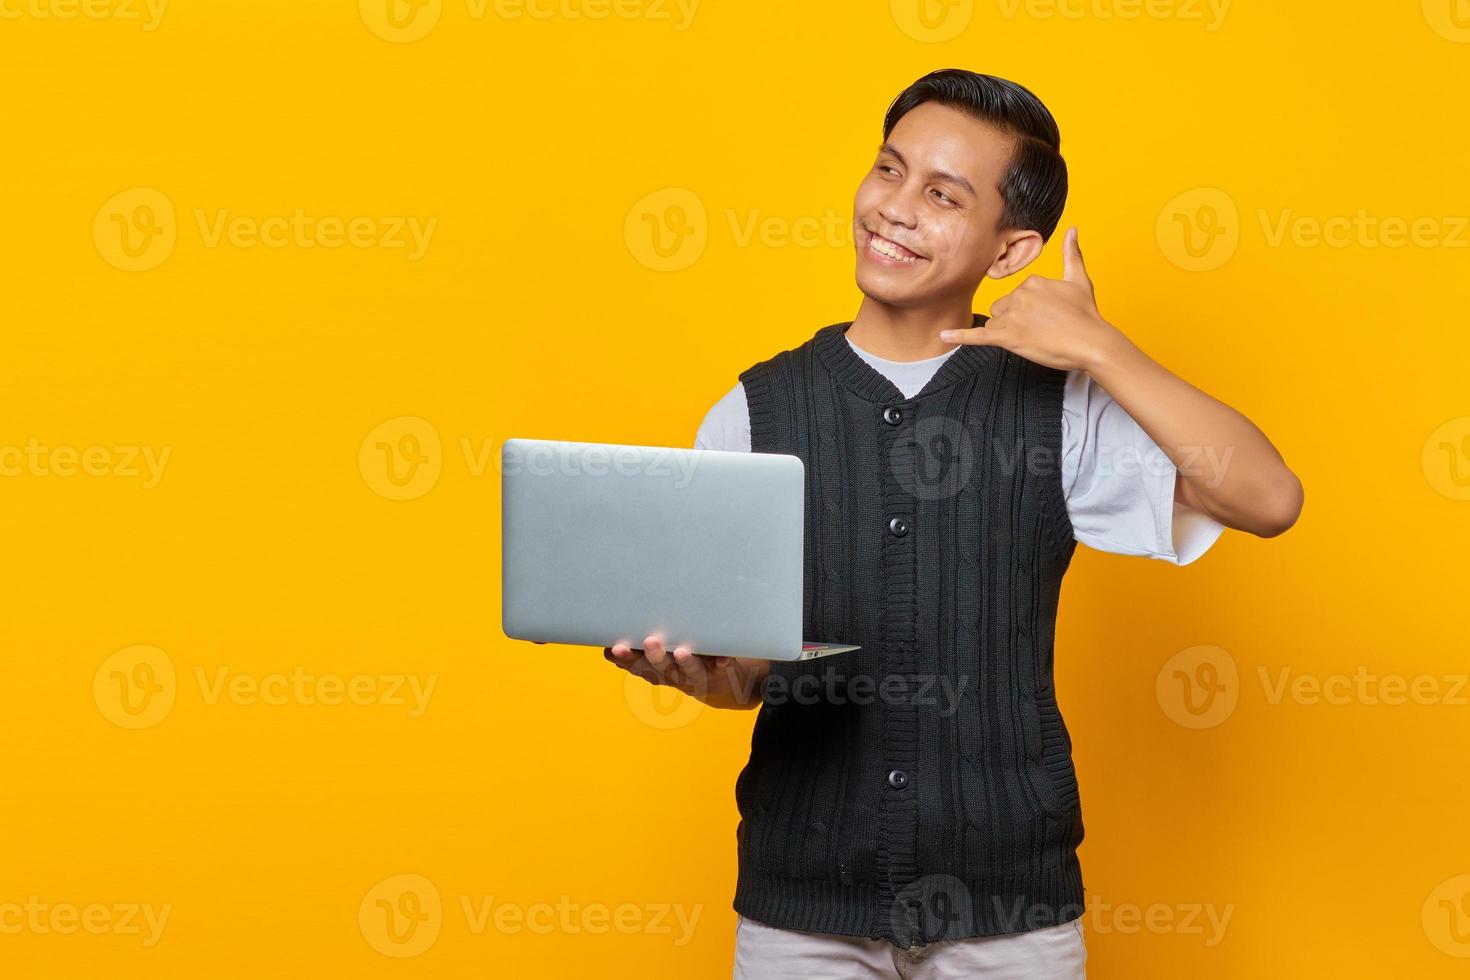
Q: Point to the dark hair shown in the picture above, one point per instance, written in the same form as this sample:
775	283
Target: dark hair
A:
1034	187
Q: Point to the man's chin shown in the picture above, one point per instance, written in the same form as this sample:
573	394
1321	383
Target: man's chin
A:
881	290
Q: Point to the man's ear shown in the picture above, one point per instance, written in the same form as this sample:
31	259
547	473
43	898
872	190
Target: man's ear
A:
1019	249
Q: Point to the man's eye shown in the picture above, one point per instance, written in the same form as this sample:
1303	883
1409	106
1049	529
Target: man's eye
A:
886	168
943	197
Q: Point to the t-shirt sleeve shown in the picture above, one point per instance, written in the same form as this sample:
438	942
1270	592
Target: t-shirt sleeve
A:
726	425
1119	485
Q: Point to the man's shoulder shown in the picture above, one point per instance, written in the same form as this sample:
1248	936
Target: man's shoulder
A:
729	401
727	423
792	356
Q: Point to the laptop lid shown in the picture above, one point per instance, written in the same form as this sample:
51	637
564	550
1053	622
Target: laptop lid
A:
605	543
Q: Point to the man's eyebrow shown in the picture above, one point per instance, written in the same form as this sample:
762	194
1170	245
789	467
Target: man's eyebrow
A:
942	175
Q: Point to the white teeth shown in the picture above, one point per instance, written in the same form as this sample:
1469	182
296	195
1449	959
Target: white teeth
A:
883	247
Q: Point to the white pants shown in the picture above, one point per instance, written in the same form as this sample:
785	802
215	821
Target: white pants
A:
766	953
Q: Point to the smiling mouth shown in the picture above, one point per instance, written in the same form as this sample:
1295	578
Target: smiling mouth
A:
891	249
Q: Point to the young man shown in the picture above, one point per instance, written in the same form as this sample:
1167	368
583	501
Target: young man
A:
910	809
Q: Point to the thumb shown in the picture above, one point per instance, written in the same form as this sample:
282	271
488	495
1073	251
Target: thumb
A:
1073	268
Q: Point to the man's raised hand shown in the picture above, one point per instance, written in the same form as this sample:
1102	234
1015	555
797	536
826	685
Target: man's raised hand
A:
1050	321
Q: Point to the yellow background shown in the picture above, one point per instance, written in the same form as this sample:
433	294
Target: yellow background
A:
1331	832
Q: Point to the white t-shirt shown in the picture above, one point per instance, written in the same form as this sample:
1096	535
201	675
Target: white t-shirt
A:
1118	483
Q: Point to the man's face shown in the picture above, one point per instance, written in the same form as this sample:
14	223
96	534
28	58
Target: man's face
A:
925	216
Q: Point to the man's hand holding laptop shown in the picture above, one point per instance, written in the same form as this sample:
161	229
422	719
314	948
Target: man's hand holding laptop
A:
720	682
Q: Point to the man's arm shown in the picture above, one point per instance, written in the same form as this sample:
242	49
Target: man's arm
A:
1228	468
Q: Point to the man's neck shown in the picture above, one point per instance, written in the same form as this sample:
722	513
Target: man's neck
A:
906	334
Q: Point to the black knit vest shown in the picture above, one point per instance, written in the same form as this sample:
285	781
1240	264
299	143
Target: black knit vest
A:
920	788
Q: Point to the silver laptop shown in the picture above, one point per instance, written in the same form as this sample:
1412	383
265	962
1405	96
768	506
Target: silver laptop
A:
605	544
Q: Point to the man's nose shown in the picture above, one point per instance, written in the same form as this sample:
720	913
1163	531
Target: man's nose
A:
899	208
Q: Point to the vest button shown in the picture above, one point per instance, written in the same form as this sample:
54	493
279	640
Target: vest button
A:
898	779
898	527
892	415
